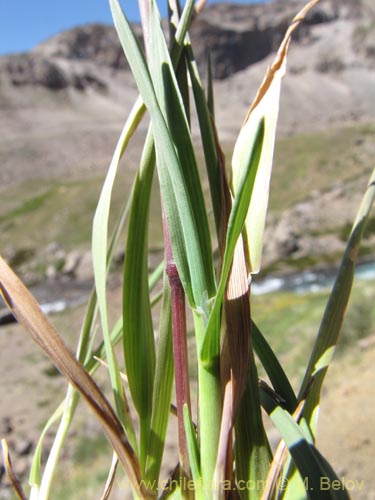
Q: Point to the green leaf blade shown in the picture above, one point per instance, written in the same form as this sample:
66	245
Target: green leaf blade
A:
138	333
183	173
184	221
273	368
193	448
164	375
333	316
211	346
312	467
252	450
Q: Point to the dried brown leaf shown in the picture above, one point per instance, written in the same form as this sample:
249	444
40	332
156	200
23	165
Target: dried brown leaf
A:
27	311
264	107
13	479
110	479
238	323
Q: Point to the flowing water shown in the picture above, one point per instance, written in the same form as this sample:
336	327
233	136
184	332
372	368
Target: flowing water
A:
308	281
56	296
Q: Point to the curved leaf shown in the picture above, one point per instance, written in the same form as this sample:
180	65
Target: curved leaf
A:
265	107
138	332
333	316
211	346
312	467
27	311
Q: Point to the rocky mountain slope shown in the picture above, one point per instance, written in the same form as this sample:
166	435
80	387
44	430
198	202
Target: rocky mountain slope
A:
63	104
79	81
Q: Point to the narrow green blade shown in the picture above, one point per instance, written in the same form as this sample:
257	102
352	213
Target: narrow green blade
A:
164	375
193	448
273	368
211	347
312	467
99	252
207	134
35	471
138	332
252	450
191	223
329	331
185	221
330	327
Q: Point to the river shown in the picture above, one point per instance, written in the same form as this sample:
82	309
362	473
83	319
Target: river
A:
308	281
56	296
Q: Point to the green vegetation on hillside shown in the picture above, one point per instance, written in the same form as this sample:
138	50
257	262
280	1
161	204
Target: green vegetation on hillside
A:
63	211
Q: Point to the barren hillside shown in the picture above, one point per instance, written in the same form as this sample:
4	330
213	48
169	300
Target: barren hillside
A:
77	84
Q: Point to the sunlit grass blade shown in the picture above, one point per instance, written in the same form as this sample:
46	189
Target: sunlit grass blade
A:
162	390
138	332
84	355
100	224
265	107
183	218
273	481
309	462
183	202
35	471
208	138
211	347
329	331
192	212
331	323
99	252
84	351
67	408
102	212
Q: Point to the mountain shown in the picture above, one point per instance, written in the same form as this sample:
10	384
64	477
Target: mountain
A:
79	81
63	104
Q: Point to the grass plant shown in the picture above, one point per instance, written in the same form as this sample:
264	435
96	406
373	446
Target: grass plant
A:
224	451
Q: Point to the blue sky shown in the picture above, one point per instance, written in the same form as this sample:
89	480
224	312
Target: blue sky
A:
25	23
